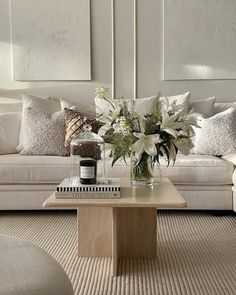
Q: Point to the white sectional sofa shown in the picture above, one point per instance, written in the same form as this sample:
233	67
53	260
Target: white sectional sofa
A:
206	182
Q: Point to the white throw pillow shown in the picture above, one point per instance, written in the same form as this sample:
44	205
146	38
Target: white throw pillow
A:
203	106
46	105
44	134
217	135
86	109
9	132
10	106
141	105
182	99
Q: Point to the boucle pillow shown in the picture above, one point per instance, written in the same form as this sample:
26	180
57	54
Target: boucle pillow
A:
204	107
75	122
9	132
44	134
217	135
46	105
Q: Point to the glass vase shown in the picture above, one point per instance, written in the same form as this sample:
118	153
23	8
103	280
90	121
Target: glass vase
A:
141	171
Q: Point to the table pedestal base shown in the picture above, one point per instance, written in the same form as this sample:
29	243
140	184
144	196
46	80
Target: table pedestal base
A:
117	232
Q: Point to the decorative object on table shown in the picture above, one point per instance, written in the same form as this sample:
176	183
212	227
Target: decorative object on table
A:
87	151
145	138
70	189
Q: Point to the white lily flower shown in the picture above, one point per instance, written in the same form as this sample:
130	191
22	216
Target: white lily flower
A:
102	131
169	125
145	143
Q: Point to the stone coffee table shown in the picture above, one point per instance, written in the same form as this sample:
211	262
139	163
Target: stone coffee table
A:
122	227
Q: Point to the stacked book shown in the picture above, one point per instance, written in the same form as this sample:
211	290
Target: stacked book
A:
101	190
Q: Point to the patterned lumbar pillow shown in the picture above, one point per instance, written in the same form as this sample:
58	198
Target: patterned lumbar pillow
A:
75	122
44	134
217	135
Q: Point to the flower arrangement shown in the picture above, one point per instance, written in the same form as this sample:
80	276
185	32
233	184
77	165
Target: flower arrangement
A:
162	132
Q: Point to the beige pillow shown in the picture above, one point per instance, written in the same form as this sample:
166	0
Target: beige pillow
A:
87	109
141	105
182	99
204	107
44	134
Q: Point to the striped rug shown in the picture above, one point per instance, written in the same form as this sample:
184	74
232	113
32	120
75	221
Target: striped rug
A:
196	254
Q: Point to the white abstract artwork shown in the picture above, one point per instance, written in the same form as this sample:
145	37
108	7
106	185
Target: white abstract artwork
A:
199	39
51	40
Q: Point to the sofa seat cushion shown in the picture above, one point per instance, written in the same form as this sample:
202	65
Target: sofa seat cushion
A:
33	169
192	169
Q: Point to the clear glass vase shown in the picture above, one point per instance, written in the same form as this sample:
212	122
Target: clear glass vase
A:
141	171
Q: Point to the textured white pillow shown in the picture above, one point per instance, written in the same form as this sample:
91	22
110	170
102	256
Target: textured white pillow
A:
44	134
204	107
10	106
9	132
46	105
217	135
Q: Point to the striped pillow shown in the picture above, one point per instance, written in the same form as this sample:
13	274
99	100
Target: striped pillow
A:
75	122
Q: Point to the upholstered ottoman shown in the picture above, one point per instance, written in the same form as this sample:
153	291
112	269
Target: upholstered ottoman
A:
26	269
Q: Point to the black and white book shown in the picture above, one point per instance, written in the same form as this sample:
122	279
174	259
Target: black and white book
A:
102	190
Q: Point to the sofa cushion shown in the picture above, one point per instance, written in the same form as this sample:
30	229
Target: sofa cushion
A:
33	169
223	106
234	177
193	169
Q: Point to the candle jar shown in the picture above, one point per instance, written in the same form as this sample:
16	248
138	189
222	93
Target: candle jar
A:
87	152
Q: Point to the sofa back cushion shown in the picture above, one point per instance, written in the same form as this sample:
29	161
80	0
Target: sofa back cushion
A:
9	132
223	106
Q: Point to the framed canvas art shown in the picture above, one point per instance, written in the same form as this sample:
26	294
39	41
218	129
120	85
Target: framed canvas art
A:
51	40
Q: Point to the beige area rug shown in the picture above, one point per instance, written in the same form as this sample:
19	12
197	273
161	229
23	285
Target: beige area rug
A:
196	254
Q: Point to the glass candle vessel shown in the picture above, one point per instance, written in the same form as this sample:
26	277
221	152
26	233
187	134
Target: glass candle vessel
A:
87	152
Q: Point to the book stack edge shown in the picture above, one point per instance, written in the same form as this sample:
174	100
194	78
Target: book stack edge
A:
101	190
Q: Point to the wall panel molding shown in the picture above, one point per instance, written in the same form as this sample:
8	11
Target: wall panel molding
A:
135	48
113	48
115	39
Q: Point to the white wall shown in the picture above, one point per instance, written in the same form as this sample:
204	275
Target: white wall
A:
149	57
